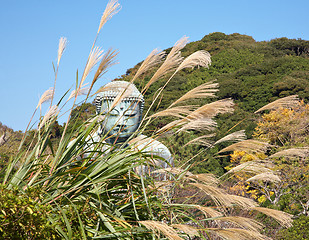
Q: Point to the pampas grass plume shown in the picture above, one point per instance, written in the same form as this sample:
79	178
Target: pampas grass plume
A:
46	96
112	8
62	45
201	91
154	58
52	112
286	102
172	60
199	58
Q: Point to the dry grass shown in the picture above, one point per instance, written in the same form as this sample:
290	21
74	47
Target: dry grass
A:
237	234
160	227
247	146
282	218
108	60
243	202
265	177
197	124
191	231
51	113
202	140
112	8
213	109
179	112
199	58
207	178
62	45
255	167
286	102
94	57
209	211
218	195
233	137
81	91
46	96
202	91
154	58
242	222
292	152
172	60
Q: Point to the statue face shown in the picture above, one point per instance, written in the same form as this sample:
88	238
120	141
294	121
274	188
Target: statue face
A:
122	120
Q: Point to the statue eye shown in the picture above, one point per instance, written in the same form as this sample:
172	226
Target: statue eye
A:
114	112
130	113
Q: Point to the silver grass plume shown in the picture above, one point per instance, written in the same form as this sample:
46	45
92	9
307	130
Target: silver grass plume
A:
209	211
108	60
206	178
247	145
81	91
218	195
237	234
233	137
191	231
62	45
202	140
243	202
251	167
265	177
160	227
282	218
154	58
201	91
198	124
242	222
213	109
172	60
180	112
46	96
52	112
286	102
112	8
199	58
94	57
171	125
292	152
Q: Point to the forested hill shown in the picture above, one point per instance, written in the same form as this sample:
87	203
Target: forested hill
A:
252	73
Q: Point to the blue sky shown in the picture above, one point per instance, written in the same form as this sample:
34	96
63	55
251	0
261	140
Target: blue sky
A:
30	31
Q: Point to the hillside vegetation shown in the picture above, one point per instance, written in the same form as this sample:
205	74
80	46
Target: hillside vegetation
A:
251	73
61	182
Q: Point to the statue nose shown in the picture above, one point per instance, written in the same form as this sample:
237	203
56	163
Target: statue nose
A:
121	121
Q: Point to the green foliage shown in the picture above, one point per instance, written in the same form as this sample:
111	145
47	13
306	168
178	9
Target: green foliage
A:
299	231
22	216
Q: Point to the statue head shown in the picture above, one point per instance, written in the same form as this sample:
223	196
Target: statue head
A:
121	119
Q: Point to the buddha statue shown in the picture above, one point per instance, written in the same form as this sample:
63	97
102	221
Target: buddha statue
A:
122	119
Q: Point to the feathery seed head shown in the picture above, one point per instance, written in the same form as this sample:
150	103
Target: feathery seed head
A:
154	58
81	91
52	112
94	57
47	95
62	45
199	58
201	91
171	62
112	8
286	102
